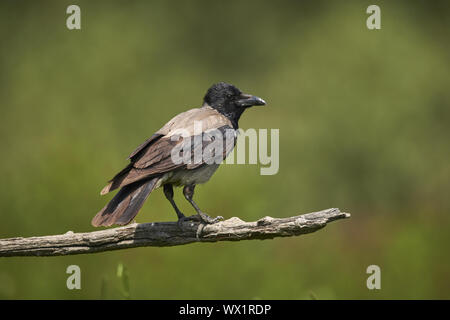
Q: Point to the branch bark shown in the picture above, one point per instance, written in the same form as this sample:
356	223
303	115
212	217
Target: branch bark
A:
162	234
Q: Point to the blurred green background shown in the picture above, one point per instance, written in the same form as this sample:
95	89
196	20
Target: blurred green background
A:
364	119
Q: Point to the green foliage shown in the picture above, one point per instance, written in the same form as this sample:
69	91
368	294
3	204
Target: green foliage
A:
122	274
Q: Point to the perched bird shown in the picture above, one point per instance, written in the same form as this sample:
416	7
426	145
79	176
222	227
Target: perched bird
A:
152	164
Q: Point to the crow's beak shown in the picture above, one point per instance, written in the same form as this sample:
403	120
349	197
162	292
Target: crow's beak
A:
247	100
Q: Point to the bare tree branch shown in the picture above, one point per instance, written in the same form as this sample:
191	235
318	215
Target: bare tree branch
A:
160	234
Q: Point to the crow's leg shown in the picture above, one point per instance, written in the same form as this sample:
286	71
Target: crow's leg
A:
168	192
188	192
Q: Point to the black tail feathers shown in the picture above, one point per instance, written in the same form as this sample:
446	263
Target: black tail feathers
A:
125	204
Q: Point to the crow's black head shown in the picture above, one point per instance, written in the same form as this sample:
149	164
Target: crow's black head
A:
230	101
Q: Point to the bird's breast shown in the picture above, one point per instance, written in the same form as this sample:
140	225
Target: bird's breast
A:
198	175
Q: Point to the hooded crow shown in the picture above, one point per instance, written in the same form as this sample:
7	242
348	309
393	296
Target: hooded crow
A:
170	156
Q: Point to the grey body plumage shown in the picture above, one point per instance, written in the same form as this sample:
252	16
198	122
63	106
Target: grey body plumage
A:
190	177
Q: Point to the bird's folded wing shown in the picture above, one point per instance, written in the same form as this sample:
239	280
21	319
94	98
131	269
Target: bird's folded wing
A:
135	154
